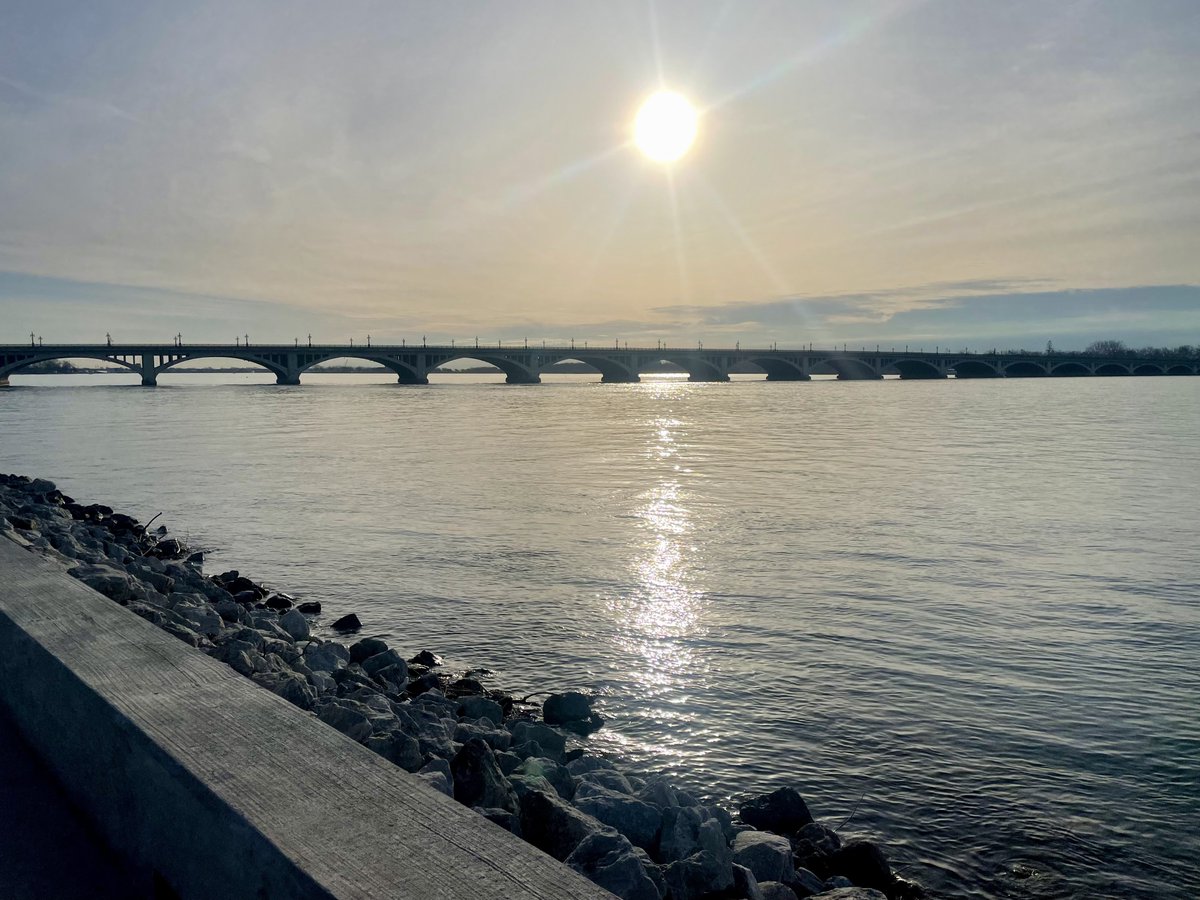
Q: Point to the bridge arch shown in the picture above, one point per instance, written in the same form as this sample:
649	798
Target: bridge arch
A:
1148	369
278	371
1069	369
780	369
698	369
1112	369
975	368
514	372
848	368
611	371
1181	370
911	369
405	373
20	362
1025	369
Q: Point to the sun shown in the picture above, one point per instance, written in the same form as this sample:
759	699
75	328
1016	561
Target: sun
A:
665	126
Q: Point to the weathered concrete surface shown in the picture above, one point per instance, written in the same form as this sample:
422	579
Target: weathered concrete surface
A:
220	787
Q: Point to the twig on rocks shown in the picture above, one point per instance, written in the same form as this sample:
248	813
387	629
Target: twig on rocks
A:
146	527
846	821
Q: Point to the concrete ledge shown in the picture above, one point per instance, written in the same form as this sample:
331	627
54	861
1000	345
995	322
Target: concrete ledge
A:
219	787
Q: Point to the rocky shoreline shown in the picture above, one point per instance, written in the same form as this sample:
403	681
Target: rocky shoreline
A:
640	838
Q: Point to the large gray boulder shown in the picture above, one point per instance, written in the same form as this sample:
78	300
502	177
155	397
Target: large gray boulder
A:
346	717
609	860
496	738
635	819
399	748
477	707
294	623
745	885
556	775
706	871
327	657
107	580
478	780
554	826
768	856
680	835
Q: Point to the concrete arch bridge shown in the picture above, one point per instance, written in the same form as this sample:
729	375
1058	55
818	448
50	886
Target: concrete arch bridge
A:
524	364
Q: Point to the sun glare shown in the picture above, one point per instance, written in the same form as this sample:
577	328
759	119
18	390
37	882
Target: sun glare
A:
665	126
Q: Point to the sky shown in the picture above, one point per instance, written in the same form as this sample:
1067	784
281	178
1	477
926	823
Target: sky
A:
956	173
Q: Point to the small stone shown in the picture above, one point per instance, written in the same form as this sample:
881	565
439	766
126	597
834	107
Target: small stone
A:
347	623
278	602
863	862
426	658
569	707
774	890
372	665
783	811
366	648
310	608
506	819
804	883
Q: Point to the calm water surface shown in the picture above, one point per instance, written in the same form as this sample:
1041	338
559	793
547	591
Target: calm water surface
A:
975	605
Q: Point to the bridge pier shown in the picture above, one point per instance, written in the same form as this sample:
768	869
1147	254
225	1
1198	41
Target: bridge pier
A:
149	374
523	378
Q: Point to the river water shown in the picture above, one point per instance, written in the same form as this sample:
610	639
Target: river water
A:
965	613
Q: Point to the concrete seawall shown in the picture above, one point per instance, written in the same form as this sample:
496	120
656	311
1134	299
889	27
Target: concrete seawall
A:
219	788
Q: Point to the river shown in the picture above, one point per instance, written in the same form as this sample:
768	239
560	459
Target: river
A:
964	613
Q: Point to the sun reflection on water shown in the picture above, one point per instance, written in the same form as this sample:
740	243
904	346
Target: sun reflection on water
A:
660	614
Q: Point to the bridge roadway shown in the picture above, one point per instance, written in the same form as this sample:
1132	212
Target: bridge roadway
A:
524	364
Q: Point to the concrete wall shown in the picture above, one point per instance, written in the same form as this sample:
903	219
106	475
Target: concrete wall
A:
219	787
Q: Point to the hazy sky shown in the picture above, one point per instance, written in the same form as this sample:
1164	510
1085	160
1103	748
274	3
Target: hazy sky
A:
967	172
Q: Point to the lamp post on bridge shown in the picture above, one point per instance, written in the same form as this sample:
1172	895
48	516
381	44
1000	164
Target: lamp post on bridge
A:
310	340
32	342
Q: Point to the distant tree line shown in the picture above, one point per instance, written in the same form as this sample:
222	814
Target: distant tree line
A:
1120	349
